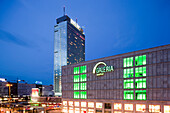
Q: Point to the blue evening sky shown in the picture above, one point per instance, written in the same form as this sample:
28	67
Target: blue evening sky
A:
111	27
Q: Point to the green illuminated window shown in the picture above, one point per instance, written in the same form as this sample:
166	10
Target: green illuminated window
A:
76	95
83	95
140	72
83	86
76	78
83	78
76	86
128	95
140	60
128	62
140	83
76	70
128	84
128	73
140	94
83	69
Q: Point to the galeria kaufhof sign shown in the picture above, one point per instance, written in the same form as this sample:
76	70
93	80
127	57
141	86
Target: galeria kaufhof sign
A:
100	68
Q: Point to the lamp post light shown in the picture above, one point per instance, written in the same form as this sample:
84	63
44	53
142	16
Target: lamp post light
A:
9	85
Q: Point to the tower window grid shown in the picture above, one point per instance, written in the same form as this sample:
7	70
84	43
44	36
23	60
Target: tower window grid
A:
134	86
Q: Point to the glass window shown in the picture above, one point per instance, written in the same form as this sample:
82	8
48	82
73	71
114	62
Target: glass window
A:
83	78
117	112
128	95
76	78
76	86
117	106
140	60
128	84
76	70
83	104
98	105
83	86
140	94
166	108
128	107
140	83
70	103
65	103
128	62
91	104
141	107
83	110
76	104
154	108
128	73
140	72
90	110
107	105
83	69
83	95
76	95
77	110
64	109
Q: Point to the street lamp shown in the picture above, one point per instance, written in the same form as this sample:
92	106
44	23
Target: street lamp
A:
9	85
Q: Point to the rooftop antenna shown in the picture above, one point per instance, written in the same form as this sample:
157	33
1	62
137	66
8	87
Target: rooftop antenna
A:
76	20
64	10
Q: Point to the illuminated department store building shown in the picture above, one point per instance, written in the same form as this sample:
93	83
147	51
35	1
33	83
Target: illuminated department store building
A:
133	82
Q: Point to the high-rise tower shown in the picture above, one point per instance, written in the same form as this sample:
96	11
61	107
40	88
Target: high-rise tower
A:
69	47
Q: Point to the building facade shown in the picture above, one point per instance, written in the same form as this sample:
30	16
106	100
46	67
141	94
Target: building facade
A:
133	82
69	47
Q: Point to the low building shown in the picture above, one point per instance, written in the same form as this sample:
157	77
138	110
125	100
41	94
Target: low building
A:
132	82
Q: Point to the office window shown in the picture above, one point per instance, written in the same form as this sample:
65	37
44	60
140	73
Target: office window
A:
76	78
128	107
91	104
76	104
140	72
140	83
98	105
64	103
128	62
107	105
166	108
76	86
83	86
117	106
83	104
128	95
140	94
76	95
154	108
141	107
76	70
128	73
83	95
83	78
77	110
128	84
70	103
83	69
140	60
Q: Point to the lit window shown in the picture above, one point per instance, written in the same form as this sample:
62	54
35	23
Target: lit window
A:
76	78
91	104
65	103
90	110
140	94
128	62
77	110
76	95
140	83
83	69
166	109
76	86
140	72
140	60
154	108
83	104
128	107
128	95
83	95
76	104
70	103
98	105
76	70
128	84
83	110
83	78
83	86
64	109
140	107
117	106
128	73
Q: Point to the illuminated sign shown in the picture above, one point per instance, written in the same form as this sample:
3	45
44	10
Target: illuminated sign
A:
35	92
75	24
101	70
2	79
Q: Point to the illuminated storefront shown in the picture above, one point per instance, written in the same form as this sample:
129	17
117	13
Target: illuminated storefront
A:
126	83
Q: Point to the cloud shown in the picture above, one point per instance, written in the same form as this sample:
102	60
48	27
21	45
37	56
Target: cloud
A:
9	37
